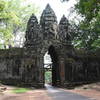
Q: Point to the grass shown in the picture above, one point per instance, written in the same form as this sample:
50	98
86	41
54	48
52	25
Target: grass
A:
20	90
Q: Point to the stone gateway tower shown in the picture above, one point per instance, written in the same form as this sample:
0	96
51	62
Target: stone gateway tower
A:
49	36
25	66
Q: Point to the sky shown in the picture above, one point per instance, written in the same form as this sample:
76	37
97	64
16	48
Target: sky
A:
59	8
47	59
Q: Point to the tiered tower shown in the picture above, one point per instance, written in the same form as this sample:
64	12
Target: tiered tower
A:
33	32
48	23
64	34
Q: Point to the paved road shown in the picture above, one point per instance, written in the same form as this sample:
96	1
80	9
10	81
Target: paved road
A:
58	94
50	93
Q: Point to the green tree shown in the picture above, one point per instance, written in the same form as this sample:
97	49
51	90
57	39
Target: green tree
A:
5	32
13	18
87	33
89	27
48	77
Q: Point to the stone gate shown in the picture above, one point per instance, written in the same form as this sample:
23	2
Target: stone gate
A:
49	36
25	66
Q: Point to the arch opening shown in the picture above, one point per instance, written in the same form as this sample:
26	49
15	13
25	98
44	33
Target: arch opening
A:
51	67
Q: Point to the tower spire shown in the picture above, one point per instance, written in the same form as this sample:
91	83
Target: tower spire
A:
64	33
48	21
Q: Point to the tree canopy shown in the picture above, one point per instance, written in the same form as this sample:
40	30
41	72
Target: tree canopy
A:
89	27
87	32
13	18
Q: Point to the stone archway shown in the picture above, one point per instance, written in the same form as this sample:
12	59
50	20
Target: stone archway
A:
55	65
24	66
49	36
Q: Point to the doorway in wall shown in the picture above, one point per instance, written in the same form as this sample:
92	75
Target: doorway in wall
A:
51	67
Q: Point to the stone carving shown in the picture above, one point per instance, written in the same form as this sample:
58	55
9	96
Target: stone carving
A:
25	66
48	22
64	34
32	32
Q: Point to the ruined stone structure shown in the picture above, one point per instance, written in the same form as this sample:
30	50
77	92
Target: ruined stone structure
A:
26	65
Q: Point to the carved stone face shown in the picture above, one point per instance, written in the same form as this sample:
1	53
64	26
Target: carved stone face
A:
48	28
32	21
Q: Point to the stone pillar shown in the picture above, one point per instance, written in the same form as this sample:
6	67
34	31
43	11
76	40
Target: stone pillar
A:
40	71
62	70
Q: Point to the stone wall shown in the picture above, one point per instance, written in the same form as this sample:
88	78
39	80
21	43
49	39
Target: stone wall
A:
82	67
25	66
18	66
